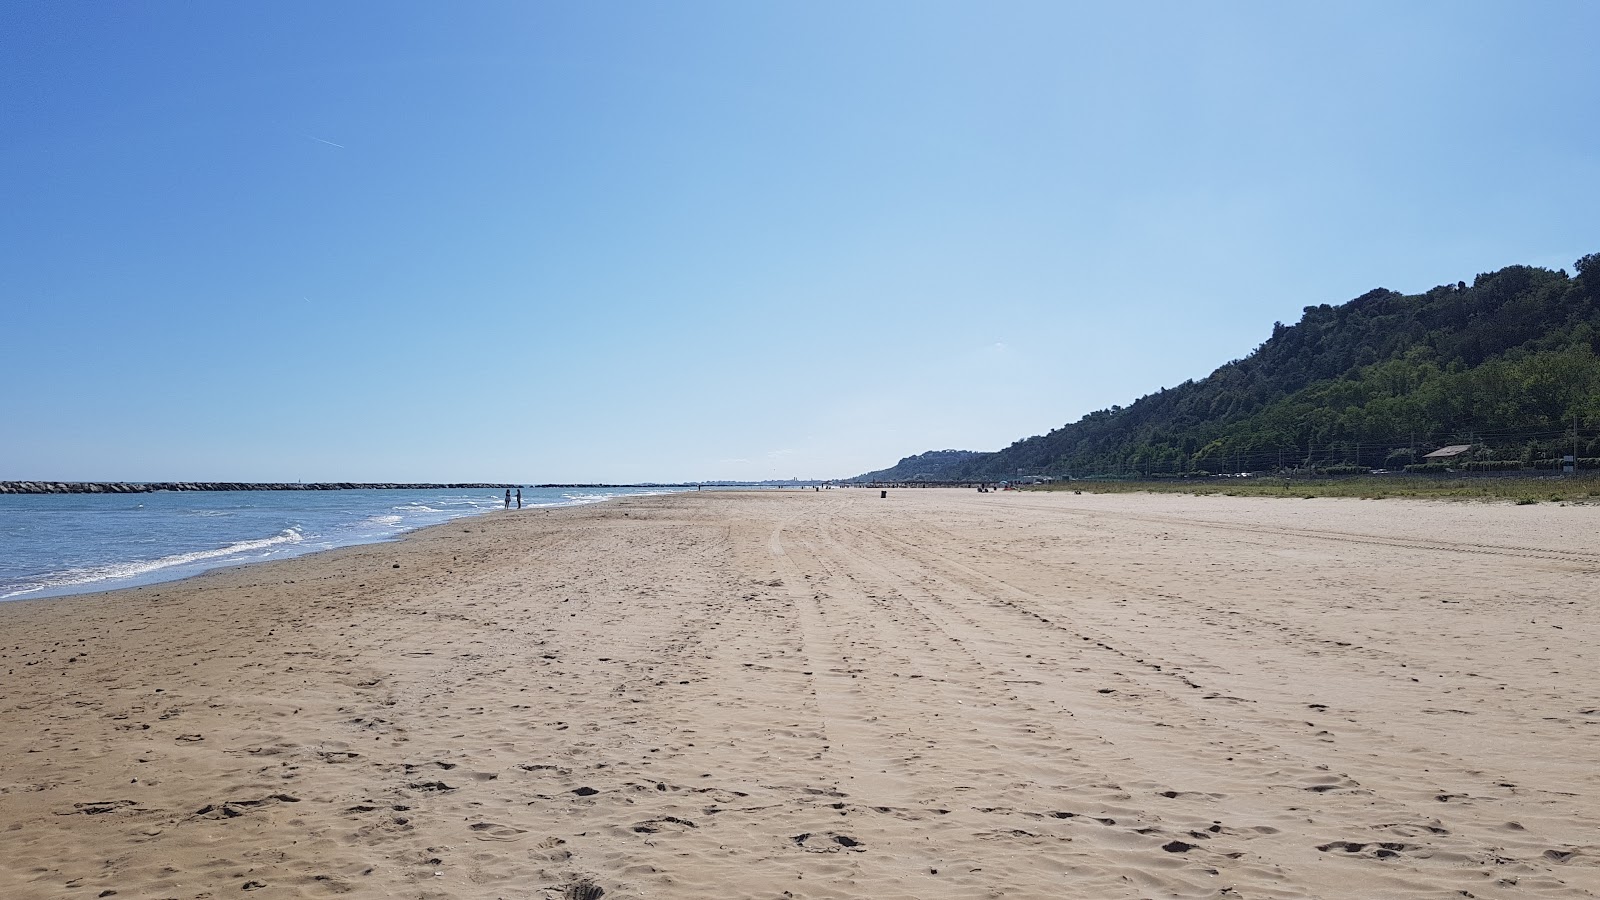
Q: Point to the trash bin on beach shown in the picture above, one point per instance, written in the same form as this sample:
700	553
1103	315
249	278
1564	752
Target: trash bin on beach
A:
883	495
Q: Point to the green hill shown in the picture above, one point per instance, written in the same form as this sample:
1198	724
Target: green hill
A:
930	466
1509	365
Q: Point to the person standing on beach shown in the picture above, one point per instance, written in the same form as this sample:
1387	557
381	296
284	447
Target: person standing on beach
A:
508	498
519	498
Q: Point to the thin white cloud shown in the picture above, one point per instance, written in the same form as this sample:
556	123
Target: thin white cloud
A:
329	143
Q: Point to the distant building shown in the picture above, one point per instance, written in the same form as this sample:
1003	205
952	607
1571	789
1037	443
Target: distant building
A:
1447	453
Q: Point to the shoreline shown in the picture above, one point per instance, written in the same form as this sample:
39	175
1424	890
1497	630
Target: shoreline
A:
182	580
831	694
301	531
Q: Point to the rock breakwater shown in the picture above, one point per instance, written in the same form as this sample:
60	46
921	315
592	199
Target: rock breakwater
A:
147	487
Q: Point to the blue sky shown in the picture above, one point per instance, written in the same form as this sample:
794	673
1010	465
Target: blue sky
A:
630	241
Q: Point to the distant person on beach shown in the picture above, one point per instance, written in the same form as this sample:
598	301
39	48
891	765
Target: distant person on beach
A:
519	498
508	498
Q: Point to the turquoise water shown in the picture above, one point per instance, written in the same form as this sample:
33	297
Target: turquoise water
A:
54	544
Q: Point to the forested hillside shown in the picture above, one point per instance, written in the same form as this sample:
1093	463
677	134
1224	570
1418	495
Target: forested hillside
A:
1509	364
929	466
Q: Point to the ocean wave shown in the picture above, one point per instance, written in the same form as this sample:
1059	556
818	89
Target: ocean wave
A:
134	569
452	505
107	552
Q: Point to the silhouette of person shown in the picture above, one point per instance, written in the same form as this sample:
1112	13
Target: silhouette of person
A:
508	498
519	498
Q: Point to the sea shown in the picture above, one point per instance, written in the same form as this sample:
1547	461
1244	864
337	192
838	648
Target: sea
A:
56	544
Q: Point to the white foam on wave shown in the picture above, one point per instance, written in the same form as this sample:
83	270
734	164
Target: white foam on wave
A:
453	506
384	520
93	574
576	498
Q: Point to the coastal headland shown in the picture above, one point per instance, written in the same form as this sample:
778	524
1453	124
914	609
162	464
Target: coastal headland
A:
807	694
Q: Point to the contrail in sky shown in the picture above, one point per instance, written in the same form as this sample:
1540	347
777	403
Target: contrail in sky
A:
329	143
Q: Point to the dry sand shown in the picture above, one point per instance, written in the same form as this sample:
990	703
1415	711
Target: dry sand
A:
941	694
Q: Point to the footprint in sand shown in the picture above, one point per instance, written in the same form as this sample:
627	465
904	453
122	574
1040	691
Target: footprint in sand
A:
1379	849
582	890
654	826
489	831
827	842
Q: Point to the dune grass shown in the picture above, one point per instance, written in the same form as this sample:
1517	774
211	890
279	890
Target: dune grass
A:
1584	488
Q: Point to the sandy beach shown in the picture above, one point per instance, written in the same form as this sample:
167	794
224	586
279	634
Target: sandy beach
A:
831	695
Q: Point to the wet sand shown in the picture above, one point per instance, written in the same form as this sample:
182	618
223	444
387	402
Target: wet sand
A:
829	695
